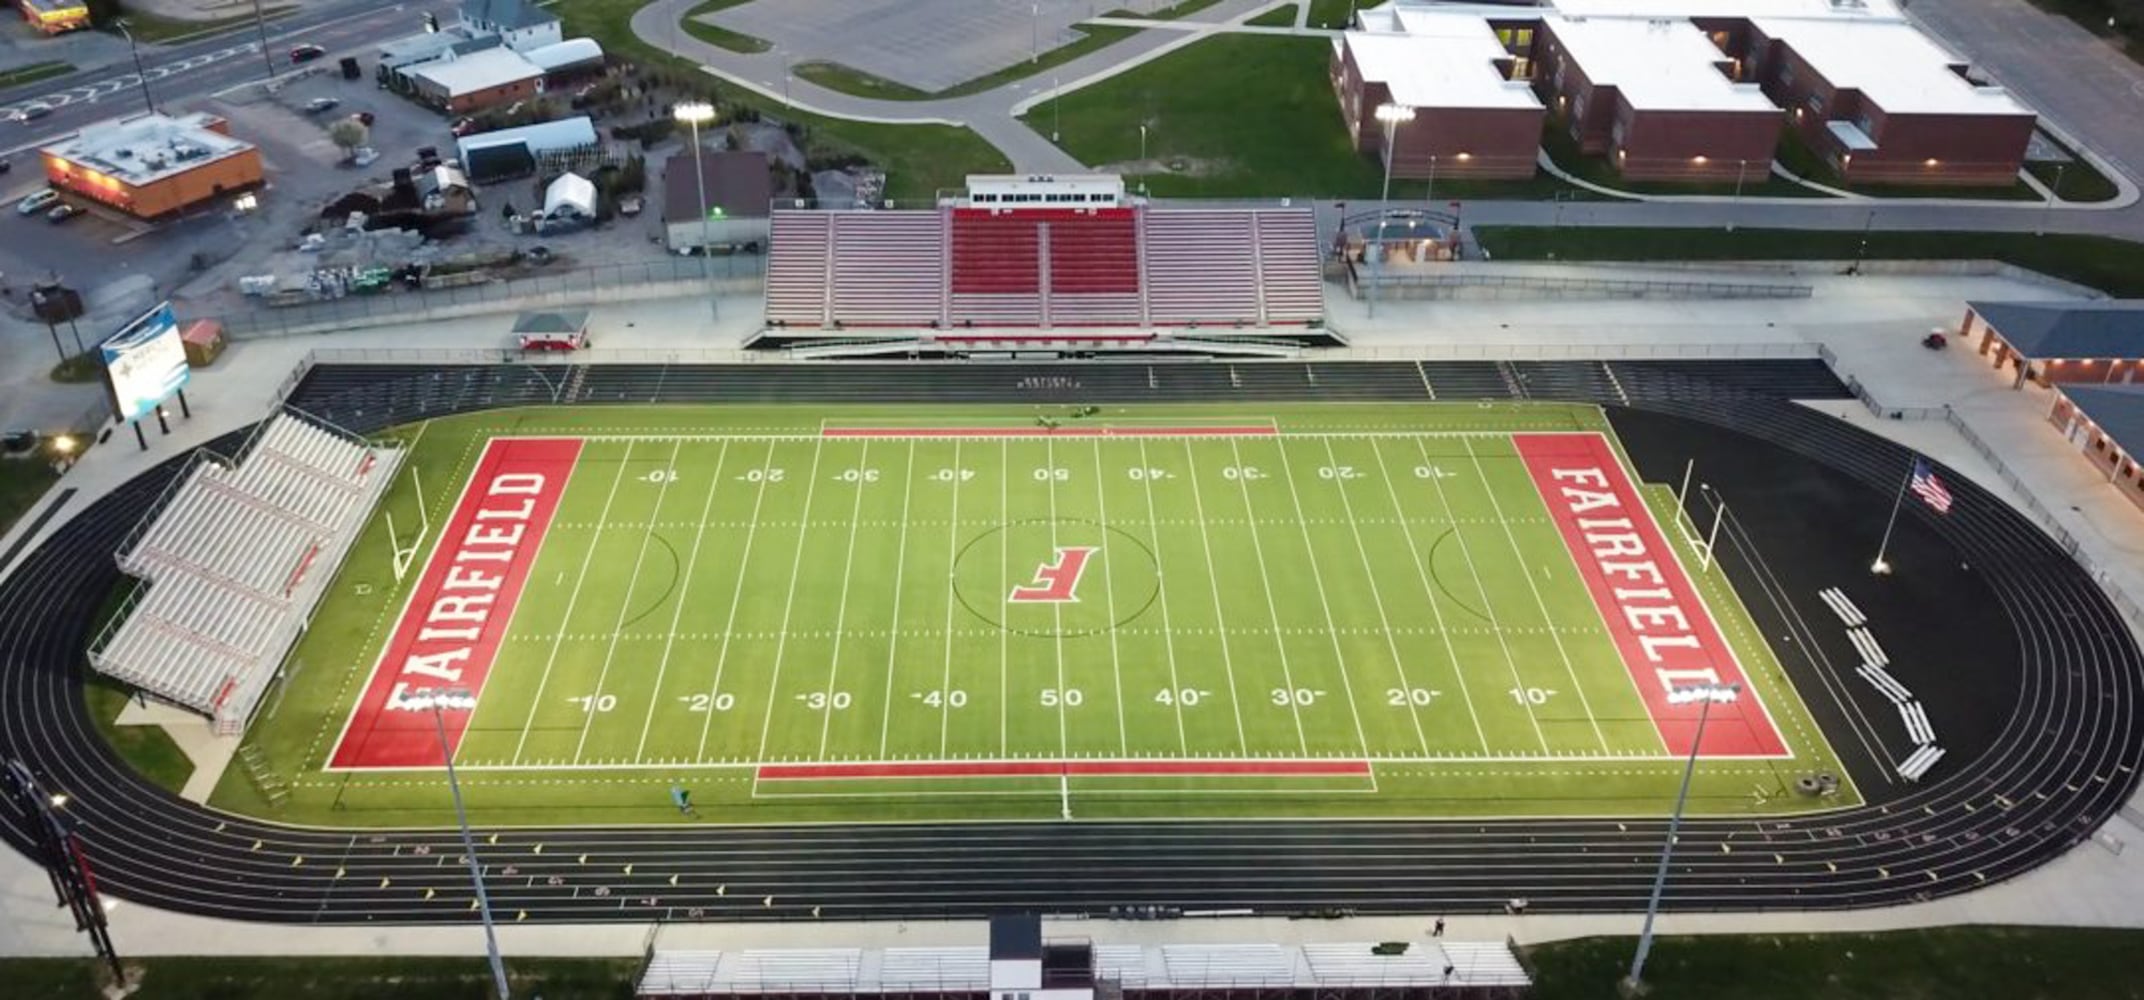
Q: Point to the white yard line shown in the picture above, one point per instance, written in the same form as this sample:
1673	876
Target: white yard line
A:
1057	615
1429	587
789	603
625	606
587	559
1570	670
1265	583
1467	552
1384	617
841	609
900	567
1109	587
677	613
1161	595
1317	580
1213	585
1004	588
952	553
729	626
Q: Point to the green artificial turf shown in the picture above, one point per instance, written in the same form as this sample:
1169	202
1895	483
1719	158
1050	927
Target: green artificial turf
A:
753	593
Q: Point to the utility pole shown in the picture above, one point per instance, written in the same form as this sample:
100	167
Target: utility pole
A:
260	25
139	73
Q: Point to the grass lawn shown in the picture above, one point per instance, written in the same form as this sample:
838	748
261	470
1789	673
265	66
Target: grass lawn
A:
148	27
33	72
338	978
918	159
1332	13
1193	102
721	37
1947	963
2110	265
1169	13
78	369
1282	16
2077	180
850	80
1758	182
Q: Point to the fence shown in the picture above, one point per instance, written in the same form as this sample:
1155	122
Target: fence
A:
575	286
1573	352
1445	285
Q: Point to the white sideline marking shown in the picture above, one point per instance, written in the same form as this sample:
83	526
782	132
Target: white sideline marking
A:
729	627
587	559
625	606
677	613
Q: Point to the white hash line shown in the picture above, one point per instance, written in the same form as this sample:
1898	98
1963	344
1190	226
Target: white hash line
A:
1213	585
1265	583
1168	638
1377	597
952	553
1436	608
1467	552
1109	587
1569	669
625	607
729	627
841	608
789	603
1317	580
900	568
677	613
587	559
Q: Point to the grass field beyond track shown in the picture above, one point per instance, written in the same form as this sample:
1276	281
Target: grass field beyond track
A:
886	613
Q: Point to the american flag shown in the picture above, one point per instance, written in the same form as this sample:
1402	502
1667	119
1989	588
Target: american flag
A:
1929	488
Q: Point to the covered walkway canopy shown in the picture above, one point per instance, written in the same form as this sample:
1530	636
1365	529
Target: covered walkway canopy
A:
2059	341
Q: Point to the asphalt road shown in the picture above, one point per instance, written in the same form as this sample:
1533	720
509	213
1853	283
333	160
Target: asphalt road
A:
2064	758
208	65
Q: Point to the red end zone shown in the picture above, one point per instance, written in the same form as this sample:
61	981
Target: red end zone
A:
1666	636
1053	768
450	630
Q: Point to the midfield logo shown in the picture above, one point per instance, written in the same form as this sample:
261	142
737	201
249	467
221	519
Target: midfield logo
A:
1055	581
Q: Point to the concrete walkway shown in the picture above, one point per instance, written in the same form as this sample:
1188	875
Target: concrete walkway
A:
1872	323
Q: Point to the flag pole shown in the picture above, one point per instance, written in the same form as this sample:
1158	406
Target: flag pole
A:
1881	566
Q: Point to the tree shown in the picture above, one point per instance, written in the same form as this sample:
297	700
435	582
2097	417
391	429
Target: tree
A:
349	133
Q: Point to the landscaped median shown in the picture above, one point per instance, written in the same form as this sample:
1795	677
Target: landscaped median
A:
32	73
2111	265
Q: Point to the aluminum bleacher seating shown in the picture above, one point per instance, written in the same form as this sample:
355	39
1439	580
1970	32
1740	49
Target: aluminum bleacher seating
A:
797	268
888	268
234	559
1198	268
1292	290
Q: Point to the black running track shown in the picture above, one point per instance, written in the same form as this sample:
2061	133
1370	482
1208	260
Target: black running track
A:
2059	757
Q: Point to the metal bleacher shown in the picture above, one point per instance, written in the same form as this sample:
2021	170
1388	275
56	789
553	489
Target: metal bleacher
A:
233	559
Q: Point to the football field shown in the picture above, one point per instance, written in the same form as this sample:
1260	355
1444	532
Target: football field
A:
1433	609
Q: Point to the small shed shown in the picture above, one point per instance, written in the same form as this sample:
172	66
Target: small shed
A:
552	330
203	340
570	195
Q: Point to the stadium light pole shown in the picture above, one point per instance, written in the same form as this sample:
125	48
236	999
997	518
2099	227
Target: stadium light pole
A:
1706	695
438	700
1741	167
1392	116
696	114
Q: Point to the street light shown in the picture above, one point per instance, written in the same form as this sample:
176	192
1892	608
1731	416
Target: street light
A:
260	25
139	73
2047	214
696	114
1706	695
1142	157
1392	116
1034	33
1740	166
439	700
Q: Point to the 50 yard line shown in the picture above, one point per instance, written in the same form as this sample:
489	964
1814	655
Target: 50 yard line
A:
587	559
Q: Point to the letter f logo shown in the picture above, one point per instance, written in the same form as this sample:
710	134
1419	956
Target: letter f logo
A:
1055	581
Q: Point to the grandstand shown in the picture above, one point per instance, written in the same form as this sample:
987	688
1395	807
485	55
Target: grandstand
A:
233	560
1018	255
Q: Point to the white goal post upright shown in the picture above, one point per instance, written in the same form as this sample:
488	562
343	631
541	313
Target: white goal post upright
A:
405	555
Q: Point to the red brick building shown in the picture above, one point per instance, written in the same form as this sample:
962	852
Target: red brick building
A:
1656	97
2060	342
1883	104
475	81
1474	115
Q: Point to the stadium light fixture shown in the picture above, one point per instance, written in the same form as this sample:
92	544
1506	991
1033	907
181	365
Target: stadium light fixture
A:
58	800
439	700
64	444
1880	567
1706	696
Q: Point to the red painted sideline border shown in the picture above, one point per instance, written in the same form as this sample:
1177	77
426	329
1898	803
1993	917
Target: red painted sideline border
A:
1051	768
1666	635
998	432
450	631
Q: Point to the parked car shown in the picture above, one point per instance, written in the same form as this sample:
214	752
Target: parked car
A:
306	53
31	112
62	212
321	104
462	127
32	203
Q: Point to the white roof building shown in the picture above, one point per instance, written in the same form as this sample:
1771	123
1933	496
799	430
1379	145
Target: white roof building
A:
1892	64
1442	61
475	72
1656	64
148	148
569	53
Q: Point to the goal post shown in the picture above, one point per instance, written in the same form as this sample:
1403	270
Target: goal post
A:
406	555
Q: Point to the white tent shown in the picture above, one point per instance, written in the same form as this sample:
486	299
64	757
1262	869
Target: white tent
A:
570	194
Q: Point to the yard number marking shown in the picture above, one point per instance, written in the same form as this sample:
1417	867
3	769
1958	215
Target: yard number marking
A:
766	475
721	702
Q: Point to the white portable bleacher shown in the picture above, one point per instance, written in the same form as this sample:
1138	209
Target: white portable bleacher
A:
1241	965
1484	963
1865	641
1916	765
233	559
679	973
934	970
